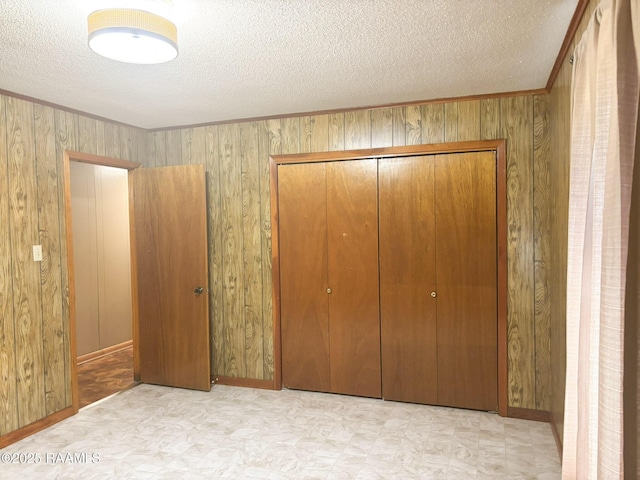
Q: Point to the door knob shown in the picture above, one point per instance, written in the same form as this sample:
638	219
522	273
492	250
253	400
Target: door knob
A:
198	290
434	294
328	290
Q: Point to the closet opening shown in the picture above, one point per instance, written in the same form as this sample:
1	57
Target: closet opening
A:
402	251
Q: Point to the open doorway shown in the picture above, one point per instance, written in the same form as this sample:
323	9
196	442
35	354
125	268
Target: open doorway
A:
99	241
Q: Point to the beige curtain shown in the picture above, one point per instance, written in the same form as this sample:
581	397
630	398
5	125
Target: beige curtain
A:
603	145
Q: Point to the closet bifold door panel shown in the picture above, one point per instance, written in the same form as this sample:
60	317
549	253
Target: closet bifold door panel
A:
466	273
329	307
354	318
302	204
407	278
438	279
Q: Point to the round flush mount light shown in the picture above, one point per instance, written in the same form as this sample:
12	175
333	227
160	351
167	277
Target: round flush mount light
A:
132	36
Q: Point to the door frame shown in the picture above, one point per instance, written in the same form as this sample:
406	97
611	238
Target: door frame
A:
497	146
92	159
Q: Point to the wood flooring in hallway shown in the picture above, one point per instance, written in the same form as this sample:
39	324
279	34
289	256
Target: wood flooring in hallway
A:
104	376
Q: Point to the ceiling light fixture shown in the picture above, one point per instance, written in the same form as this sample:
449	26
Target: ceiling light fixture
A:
132	36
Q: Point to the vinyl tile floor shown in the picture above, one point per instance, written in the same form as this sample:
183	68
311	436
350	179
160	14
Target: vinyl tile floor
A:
152	432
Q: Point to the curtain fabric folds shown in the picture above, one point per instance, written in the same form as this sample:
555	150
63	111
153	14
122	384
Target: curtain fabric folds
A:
603	148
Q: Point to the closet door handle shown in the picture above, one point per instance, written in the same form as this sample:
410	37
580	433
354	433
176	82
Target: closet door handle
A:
198	290
434	294
328	290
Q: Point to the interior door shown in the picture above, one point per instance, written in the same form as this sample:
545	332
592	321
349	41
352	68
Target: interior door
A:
407	278
354	316
169	230
304	304
466	271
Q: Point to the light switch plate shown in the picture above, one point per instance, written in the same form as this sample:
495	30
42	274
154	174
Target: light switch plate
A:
37	253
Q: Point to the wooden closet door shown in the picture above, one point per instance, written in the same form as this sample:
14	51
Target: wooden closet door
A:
467	280
407	278
304	304
354	319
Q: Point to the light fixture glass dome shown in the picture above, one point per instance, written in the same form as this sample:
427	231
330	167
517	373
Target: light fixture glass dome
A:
132	36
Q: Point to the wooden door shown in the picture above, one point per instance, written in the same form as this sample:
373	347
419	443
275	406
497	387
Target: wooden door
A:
466	271
407	278
169	233
304	304
354	318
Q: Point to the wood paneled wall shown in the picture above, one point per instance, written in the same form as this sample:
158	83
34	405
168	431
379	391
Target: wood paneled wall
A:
34	310
236	159
34	305
559	138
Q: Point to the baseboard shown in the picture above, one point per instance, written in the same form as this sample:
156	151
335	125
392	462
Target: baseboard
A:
12	437
243	382
529	414
556	435
104	352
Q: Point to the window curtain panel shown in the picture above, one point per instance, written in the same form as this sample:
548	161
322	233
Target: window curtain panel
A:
604	117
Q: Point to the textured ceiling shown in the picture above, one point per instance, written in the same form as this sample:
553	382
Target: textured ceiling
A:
252	58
